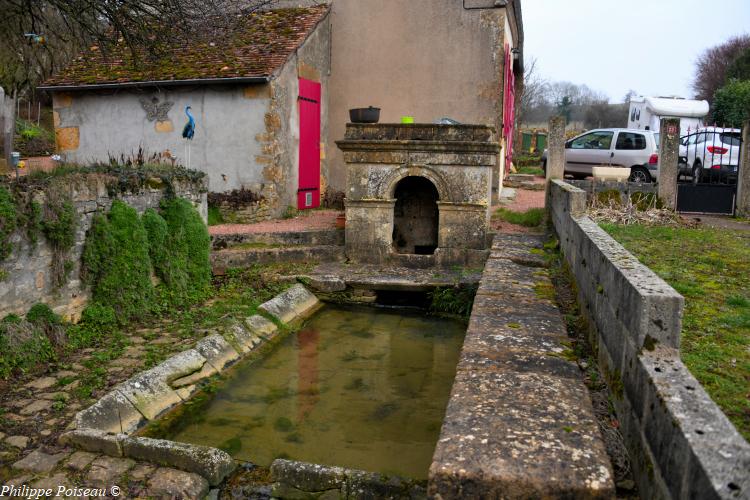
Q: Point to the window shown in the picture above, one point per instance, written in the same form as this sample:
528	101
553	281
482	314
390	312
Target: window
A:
692	139
594	140
630	141
731	138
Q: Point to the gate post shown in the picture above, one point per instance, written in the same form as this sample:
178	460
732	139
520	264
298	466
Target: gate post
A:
556	148
669	151
743	176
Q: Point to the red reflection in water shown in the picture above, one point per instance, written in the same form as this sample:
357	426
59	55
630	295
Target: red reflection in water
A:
307	386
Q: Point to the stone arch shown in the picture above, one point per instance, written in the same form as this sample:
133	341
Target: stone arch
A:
416	216
388	185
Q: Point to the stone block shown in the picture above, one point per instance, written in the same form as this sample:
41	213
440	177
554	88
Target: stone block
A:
112	413
241	338
106	472
217	351
519	435
308	477
150	392
171	483
39	462
211	463
95	441
292	305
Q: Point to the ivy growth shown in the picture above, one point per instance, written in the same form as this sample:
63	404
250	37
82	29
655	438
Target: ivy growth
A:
179	250
8	222
116	262
59	227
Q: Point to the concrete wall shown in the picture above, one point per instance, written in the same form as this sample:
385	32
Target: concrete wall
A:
28	272
680	443
403	57
228	118
246	136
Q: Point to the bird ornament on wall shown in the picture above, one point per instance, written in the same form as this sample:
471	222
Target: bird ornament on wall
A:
188	132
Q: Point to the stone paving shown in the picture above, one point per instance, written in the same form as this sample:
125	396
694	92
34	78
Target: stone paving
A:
36	411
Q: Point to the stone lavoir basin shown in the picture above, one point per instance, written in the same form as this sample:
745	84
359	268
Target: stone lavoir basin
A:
358	387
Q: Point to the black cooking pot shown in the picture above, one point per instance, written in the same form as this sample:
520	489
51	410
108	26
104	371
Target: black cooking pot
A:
364	115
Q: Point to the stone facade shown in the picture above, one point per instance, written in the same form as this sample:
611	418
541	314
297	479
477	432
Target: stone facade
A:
27	272
457	162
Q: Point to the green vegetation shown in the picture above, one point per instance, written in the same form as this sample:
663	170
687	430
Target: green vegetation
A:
42	314
214	216
531	171
8	222
732	103
117	264
23	344
532	217
456	300
711	268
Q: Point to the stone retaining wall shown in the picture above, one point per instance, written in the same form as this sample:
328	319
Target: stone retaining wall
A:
108	426
681	445
28	277
519	422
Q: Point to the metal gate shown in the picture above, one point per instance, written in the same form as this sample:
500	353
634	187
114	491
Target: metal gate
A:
708	170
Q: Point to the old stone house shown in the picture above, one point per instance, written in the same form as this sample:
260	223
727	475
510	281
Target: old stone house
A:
257	91
255	97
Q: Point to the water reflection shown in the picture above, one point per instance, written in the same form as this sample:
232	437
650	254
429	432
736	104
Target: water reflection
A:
363	388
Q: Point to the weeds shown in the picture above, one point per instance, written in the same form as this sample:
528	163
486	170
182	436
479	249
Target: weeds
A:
532	217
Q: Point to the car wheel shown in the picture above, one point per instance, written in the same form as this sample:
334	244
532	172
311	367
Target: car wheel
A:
639	174
697	172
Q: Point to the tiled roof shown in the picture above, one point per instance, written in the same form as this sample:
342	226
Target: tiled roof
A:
256	46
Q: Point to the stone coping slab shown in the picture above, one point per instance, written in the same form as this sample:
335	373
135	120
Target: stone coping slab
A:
293	479
106	426
519	422
680	443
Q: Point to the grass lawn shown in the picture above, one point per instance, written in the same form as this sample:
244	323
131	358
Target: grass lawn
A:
531	171
711	269
532	217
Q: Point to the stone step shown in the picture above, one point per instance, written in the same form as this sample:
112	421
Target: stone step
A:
318	237
244	257
519	422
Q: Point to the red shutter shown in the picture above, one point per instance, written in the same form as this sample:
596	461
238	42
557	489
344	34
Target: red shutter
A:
308	194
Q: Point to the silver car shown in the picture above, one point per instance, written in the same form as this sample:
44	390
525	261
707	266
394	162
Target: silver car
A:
635	149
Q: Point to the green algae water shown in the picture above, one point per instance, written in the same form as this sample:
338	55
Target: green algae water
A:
363	388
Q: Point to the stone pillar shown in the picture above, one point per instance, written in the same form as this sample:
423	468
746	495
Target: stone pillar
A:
743	177
669	151
369	230
556	148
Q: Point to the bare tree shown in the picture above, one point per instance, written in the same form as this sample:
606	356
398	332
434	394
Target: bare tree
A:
38	37
532	92
711	67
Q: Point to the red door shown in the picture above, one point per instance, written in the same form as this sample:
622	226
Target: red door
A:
308	194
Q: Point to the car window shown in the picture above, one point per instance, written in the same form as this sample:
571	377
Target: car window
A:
700	138
730	138
594	140
630	141
692	139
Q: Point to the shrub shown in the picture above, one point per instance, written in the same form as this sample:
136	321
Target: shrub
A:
22	346
732	103
117	263
183	261
42	314
8	222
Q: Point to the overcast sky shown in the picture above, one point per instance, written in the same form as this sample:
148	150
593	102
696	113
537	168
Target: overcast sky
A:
614	45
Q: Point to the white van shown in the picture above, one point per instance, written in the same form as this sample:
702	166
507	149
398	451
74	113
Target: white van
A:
646	113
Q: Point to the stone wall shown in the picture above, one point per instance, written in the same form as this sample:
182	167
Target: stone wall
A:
28	277
681	445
